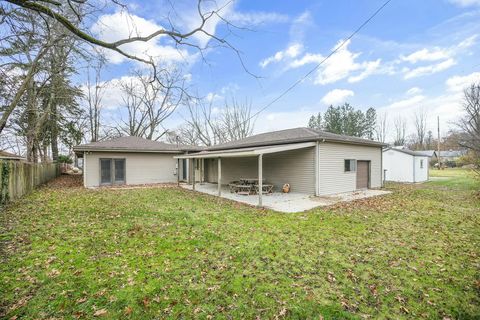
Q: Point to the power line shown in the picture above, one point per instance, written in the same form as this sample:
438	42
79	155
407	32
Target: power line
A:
296	83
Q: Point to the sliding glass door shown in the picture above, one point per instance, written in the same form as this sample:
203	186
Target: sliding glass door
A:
112	171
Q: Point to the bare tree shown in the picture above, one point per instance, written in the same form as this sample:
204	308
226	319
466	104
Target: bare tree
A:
207	125
236	121
381	127
201	126
60	12
95	90
469	124
400	126
420	122
149	103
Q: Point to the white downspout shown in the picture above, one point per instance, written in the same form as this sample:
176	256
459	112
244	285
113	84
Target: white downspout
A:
414	175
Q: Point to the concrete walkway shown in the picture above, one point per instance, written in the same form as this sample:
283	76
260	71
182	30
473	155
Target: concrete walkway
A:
286	202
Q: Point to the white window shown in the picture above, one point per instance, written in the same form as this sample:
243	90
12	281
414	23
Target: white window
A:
421	164
350	165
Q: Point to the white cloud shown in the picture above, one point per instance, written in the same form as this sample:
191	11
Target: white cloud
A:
444	58
272	121
121	25
414	91
256	18
337	96
458	83
299	25
342	64
370	67
291	51
430	69
426	55
406	103
213	97
306	59
465	3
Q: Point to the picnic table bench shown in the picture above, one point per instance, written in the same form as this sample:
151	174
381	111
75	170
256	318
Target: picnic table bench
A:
266	188
244	189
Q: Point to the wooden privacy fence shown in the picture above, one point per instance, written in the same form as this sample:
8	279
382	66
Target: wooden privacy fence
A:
19	178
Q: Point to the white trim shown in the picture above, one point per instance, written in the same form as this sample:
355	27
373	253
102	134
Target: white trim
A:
248	152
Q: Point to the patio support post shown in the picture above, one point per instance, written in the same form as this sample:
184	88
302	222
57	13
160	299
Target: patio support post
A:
317	169
219	177
193	173
178	172
260	179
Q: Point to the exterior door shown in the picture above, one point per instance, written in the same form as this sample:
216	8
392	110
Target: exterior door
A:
112	171
105	171
184	169
363	174
119	171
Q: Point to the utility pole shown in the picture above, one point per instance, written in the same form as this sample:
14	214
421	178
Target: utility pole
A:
438	144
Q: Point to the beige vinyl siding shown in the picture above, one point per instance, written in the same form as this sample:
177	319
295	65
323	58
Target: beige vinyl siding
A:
232	169
333	178
140	168
295	167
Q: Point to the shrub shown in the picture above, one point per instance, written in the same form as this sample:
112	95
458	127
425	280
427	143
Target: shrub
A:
64	159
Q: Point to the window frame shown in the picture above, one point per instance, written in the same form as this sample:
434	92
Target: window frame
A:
112	172
421	163
354	161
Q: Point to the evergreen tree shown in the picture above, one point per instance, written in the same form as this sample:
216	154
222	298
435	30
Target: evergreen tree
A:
346	120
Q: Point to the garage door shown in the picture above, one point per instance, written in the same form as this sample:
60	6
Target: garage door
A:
362	174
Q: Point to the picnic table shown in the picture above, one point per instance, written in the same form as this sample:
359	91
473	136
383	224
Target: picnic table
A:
250	180
266	188
244	189
247	186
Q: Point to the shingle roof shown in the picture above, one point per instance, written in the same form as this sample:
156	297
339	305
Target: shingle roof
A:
427	153
9	155
452	153
291	136
134	144
410	152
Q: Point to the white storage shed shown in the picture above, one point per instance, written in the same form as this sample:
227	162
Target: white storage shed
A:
402	165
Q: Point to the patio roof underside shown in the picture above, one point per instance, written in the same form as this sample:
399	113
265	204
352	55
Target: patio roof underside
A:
246	152
290	163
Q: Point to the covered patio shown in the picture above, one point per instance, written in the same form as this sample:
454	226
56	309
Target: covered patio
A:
212	171
285	202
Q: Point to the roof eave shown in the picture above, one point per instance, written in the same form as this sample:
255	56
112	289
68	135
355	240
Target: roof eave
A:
79	149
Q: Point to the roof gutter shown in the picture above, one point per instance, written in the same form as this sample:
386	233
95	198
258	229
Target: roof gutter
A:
125	150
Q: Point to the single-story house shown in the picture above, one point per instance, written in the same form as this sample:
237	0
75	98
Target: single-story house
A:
429	153
451	155
403	165
131	160
311	161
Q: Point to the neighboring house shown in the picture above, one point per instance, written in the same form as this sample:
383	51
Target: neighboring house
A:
131	160
4	155
312	162
451	155
405	165
428	153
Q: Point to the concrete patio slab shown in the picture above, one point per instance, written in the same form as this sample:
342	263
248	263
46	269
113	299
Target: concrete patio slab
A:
286	202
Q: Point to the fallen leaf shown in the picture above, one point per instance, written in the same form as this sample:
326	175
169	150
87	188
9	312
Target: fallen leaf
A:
100	313
128	310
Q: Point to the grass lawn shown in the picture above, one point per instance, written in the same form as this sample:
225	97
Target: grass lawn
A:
170	253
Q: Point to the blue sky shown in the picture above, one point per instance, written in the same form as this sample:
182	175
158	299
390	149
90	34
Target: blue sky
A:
414	54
